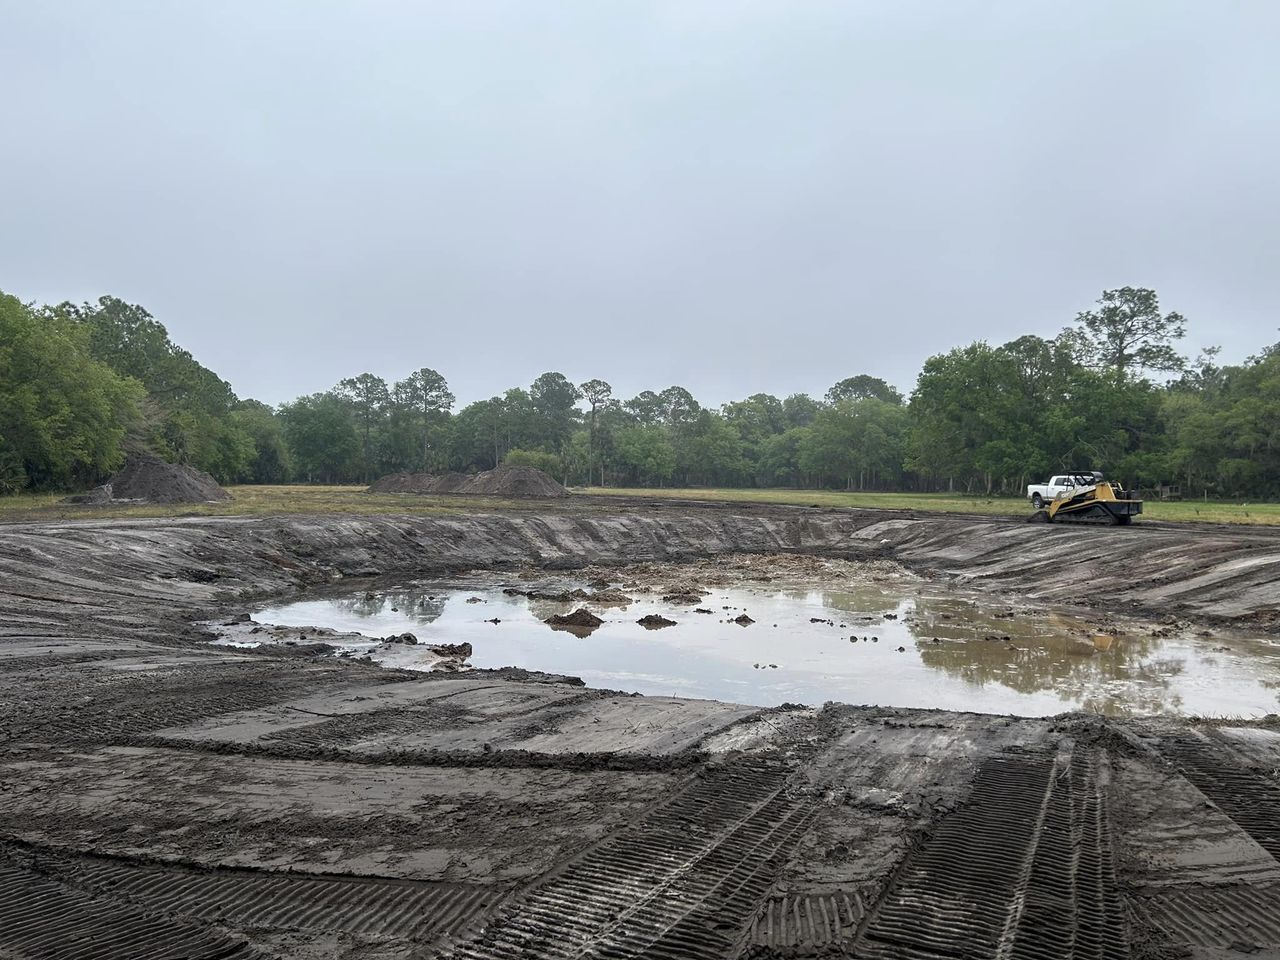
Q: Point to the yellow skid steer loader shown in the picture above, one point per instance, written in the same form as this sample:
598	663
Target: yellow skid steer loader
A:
1091	500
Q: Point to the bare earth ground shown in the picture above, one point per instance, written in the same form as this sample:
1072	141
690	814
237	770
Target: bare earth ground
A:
163	798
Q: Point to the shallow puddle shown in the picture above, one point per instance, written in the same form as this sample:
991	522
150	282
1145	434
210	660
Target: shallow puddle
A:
914	645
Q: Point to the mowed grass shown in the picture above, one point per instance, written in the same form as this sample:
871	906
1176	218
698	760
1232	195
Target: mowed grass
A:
1190	511
256	501
268	501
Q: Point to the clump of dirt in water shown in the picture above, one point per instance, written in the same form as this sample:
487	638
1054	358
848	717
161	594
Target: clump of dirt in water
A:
655	621
503	481
581	622
148	479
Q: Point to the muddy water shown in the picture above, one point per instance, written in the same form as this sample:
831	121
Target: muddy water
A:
914	645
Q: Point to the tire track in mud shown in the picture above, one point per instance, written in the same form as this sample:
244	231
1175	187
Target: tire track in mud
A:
1252	801
808	920
1216	917
117	707
683	882
260	899
40	917
1023	870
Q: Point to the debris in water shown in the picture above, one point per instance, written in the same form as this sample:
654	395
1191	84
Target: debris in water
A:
581	622
655	621
476	600
742	620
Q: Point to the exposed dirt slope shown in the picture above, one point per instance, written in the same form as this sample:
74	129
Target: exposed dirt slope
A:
1216	573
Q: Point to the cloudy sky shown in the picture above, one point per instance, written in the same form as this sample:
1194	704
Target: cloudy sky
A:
736	197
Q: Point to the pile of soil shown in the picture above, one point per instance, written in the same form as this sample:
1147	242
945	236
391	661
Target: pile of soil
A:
581	622
503	481
148	479
655	621
419	483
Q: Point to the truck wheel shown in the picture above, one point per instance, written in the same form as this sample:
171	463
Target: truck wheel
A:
1037	501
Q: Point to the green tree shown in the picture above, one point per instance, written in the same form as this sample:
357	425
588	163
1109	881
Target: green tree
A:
548	463
708	450
553	400
855	442
864	387
322	438
1127	334
63	414
369	398
757	419
270	462
597	393
645	454
422	402
646	408
778	462
800	409
186	415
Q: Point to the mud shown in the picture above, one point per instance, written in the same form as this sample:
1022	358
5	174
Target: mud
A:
161	796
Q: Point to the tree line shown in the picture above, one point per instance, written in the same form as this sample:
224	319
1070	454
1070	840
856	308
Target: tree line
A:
83	385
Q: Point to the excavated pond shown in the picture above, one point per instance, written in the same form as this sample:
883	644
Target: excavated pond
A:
885	640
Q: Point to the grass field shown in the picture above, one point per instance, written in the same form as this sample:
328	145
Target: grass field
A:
265	501
1186	510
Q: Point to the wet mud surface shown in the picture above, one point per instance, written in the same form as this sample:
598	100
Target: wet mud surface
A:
162	796
768	629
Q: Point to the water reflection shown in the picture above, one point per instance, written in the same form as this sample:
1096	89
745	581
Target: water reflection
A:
932	648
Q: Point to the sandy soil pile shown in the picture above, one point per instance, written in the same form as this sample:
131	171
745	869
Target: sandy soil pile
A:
148	479
419	483
504	481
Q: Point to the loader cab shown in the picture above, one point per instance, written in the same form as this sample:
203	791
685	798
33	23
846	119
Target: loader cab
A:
1082	478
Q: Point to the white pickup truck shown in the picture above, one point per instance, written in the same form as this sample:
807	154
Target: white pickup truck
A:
1041	493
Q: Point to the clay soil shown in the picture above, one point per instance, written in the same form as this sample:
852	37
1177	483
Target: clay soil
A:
162	797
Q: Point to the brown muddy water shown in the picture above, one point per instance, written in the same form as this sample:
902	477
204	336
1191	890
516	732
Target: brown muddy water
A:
901	644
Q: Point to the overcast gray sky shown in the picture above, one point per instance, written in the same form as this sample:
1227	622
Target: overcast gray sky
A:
735	197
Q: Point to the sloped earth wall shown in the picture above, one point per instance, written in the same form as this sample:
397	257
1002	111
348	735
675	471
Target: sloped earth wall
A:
161	798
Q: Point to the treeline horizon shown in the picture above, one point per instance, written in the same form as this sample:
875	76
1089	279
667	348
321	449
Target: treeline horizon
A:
81	386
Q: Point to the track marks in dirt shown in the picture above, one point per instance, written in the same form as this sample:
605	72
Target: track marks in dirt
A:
808	920
1252	801
1023	870
1241	916
113	708
262	900
40	917
683	882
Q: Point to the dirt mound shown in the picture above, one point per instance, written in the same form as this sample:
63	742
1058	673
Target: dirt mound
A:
517	481
419	483
581	622
655	621
504	481
147	479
